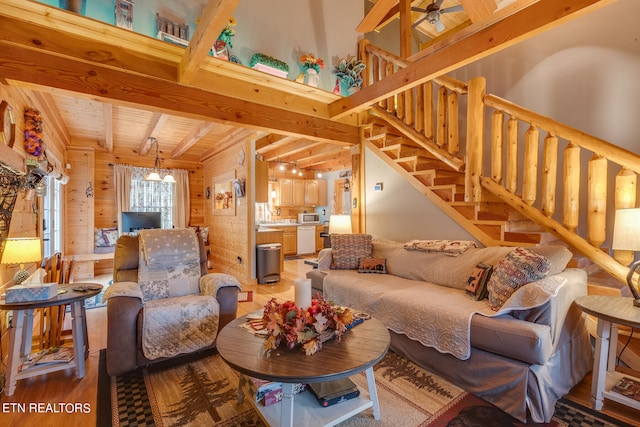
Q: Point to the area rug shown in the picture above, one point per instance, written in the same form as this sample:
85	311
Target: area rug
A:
202	391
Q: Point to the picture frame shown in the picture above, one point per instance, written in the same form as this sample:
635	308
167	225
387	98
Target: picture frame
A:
224	194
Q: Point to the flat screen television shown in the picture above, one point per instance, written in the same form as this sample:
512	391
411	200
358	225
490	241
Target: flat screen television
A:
134	221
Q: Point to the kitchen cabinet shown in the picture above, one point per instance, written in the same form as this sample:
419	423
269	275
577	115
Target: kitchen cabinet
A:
319	238
315	192
285	195
290	240
298	192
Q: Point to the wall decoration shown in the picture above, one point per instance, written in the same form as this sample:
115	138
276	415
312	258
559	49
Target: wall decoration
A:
7	124
239	186
311	66
269	65
223	43
33	133
124	14
224	194
348	75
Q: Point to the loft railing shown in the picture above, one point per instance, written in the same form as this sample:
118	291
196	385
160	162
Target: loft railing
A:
529	182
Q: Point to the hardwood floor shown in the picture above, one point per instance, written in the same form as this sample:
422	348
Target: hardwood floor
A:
60	400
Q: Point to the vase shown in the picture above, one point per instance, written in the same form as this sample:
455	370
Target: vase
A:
345	87
77	6
221	53
312	78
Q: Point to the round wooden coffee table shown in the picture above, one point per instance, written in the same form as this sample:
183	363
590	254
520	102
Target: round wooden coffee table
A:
360	348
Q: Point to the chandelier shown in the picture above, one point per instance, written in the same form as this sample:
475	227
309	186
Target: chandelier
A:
155	174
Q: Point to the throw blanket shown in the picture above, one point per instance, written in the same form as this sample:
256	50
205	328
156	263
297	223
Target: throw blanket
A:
447	247
162	247
436	316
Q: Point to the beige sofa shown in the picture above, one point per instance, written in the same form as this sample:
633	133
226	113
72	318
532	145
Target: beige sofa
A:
214	297
522	358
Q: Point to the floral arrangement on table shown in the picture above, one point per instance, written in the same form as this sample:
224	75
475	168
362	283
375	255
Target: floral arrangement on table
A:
286	323
227	32
308	61
348	73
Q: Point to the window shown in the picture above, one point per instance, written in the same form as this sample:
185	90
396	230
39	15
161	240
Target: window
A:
152	196
52	218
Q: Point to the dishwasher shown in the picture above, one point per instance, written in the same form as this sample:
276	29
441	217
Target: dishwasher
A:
306	239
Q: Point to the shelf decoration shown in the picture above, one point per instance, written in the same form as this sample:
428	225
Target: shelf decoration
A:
311	66
33	134
348	76
267	64
288	324
223	43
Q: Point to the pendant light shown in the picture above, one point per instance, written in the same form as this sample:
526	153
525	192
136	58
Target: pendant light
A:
155	174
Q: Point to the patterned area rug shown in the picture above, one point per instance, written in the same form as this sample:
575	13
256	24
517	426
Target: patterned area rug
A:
202	391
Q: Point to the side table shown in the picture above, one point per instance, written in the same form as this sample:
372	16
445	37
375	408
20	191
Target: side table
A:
610	312
20	337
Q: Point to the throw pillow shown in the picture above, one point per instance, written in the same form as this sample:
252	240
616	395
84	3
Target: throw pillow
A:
516	269
372	265
347	249
477	282
105	237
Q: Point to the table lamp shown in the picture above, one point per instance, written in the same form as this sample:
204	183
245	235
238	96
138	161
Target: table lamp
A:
340	224
626	236
21	251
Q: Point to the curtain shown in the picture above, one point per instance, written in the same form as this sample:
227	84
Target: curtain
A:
122	179
182	203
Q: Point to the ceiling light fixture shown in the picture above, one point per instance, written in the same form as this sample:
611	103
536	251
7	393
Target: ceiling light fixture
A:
155	174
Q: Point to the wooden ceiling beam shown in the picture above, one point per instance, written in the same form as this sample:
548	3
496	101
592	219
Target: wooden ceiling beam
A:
214	17
105	82
341	161
266	141
534	19
376	14
285	152
48	104
319	157
478	10
107	115
232	138
196	134
158	120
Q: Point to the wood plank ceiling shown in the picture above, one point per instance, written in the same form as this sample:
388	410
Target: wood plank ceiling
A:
292	122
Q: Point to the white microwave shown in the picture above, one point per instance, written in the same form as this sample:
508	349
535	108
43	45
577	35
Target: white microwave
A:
308	218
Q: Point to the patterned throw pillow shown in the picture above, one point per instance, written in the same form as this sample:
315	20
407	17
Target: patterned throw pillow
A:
372	265
106	237
347	249
516	269
477	282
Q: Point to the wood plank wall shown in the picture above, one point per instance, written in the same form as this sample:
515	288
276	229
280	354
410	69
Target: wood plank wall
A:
229	234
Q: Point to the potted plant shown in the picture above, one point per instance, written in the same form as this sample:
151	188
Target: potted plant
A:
220	48
311	66
348	75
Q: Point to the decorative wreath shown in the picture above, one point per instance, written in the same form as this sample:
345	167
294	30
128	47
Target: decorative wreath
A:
33	142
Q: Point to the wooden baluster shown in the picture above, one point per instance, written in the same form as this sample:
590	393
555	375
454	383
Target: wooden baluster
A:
511	181
391	101
453	142
625	197
375	68
475	136
428	110
419	125
530	165
441	117
400	105
365	57
571	193
597	200
549	175
497	123
384	103
408	107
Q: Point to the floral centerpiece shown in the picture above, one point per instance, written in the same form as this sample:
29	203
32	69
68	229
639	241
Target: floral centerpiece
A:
286	323
308	61
227	32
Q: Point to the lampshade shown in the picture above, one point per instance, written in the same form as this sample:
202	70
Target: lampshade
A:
626	231
168	178
626	236
340	224
155	174
21	251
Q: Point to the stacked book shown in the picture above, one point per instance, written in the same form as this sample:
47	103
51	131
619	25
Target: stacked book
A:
268	392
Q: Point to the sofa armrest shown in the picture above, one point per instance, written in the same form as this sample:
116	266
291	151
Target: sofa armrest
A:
324	259
228	299
123	289
565	314
122	313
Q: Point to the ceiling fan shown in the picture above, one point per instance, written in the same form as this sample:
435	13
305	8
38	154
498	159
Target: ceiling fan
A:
432	14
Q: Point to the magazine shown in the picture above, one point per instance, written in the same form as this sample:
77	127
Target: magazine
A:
628	387
54	355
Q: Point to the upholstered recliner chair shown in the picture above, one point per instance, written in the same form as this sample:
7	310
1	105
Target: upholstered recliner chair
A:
162	302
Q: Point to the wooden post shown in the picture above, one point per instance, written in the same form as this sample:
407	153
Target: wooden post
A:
571	178
391	101
549	174
408	107
625	197
441	117
453	141
400	105
428	110
597	200
497	123
475	135
530	165
419	125
365	57
511	181
381	76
